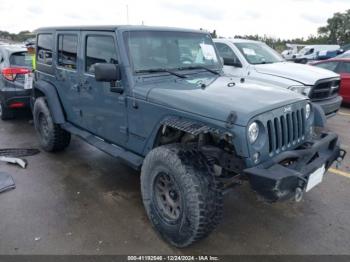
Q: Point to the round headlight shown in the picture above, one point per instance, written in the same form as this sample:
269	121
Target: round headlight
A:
253	132
307	111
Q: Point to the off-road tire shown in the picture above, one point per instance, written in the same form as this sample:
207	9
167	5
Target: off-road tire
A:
52	137
5	112
200	193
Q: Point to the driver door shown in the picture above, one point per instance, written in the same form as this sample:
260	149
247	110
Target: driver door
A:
104	112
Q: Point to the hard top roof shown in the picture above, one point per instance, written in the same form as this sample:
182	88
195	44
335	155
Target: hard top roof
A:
116	27
238	40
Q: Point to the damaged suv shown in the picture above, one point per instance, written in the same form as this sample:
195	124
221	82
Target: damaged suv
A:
157	99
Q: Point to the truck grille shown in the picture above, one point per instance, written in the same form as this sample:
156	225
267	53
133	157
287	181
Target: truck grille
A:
324	89
286	130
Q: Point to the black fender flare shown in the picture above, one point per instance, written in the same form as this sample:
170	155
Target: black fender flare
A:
53	100
320	119
188	125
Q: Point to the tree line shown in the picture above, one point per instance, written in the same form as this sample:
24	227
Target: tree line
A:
20	37
336	31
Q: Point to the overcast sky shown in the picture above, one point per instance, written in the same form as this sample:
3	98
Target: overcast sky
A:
278	18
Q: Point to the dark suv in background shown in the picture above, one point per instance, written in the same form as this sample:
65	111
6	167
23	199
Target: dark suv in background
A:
15	64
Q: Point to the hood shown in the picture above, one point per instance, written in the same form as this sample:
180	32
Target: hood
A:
304	74
221	96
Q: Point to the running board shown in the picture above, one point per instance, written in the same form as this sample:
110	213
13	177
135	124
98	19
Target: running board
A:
134	160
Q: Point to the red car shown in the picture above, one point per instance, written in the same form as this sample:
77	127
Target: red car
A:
342	67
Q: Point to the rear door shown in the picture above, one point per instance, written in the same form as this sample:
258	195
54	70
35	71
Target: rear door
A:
68	74
104	112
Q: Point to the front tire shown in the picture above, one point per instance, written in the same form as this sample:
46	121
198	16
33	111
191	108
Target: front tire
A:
52	137
181	196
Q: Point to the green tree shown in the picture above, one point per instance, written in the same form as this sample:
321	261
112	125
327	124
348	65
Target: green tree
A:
337	29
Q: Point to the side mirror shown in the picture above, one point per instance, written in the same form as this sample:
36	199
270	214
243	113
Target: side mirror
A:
106	72
232	62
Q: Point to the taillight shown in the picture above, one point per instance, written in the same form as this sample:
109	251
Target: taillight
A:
10	73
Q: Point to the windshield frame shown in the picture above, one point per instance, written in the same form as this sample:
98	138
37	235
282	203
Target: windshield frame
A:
270	50
126	34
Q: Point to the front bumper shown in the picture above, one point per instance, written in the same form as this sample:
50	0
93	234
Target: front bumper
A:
282	176
330	106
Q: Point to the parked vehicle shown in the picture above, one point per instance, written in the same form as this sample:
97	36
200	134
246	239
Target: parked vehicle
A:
312	52
324	55
255	60
15	68
157	99
291	51
342	67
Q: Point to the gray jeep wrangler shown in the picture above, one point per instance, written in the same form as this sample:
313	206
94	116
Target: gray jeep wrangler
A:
157	99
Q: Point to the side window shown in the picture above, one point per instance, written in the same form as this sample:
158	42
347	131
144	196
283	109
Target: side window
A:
67	51
225	51
99	49
310	51
344	68
45	46
328	65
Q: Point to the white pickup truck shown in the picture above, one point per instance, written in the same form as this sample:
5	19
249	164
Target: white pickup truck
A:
254	60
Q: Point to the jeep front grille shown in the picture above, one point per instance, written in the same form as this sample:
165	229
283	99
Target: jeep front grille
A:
324	89
286	130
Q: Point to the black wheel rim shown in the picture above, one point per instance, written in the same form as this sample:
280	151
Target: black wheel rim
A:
43	127
167	197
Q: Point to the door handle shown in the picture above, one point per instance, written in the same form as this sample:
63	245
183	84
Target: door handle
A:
86	85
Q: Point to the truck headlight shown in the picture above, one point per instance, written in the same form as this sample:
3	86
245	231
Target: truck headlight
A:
253	132
307	111
305	90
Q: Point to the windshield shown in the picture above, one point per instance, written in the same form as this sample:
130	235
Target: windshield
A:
306	50
258	53
21	59
170	50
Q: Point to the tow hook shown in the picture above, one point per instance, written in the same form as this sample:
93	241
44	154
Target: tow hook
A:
340	158
299	193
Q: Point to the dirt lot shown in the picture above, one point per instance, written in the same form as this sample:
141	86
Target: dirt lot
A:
83	201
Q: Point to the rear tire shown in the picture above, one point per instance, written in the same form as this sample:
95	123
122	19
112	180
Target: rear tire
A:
5	112
182	199
52	137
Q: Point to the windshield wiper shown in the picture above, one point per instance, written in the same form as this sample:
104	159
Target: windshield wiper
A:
199	67
160	70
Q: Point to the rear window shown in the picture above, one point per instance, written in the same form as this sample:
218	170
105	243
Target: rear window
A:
21	59
328	65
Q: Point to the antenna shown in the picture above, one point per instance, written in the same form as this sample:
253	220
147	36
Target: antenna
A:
127	14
